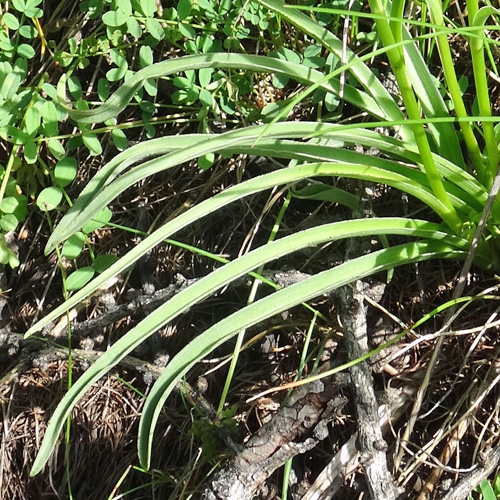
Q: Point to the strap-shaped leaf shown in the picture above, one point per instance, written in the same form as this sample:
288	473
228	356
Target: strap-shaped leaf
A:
118	101
185	299
358	68
234	193
428	94
282	300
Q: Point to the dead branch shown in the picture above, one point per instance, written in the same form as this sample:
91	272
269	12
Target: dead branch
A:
296	428
487	464
372	445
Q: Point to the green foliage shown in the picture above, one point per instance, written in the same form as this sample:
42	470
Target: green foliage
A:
32	121
209	431
425	160
488	490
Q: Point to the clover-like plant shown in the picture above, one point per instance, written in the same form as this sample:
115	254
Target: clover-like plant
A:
425	160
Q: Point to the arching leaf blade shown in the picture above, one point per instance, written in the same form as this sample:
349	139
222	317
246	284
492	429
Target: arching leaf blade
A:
217	279
265	308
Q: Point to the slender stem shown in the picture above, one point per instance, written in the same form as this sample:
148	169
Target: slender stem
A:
470	140
398	67
8	170
397	12
481	83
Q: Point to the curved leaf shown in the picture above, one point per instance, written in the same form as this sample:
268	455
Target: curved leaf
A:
360	70
118	101
185	299
113	178
279	301
234	193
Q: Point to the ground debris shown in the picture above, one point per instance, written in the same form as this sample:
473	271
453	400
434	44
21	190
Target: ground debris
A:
296	428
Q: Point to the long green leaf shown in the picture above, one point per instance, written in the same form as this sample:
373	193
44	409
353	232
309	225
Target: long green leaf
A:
349	170
224	275
190	147
360	70
234	193
445	135
108	184
425	87
247	188
118	101
252	186
251	315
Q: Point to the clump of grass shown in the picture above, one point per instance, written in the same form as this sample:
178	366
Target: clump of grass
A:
424	160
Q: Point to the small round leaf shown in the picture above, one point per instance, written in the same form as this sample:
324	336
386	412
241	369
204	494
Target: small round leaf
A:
148	7
26	51
49	117
102	262
146	56
19	5
114	18
103	89
98	221
206	97
206	161
11	21
56	148
119	139
75	87
73	246
32	121
187	30
27	31
65	171
9	204
8	222
92	142
79	278
49	198
134	28
184	9
155	29
30	152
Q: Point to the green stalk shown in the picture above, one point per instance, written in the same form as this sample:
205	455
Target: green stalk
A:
477	18
397	12
396	60
436	16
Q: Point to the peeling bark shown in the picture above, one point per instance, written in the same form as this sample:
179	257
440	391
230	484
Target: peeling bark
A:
296	428
371	443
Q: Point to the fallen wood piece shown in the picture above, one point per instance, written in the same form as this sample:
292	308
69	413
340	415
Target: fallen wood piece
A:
487	465
139	304
373	459
346	460
296	428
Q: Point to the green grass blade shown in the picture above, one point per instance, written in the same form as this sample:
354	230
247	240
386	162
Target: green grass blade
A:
224	275
190	147
251	315
429	97
360	171
487	490
448	65
398	66
481	84
102	190
260	183
234	193
118	101
360	70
